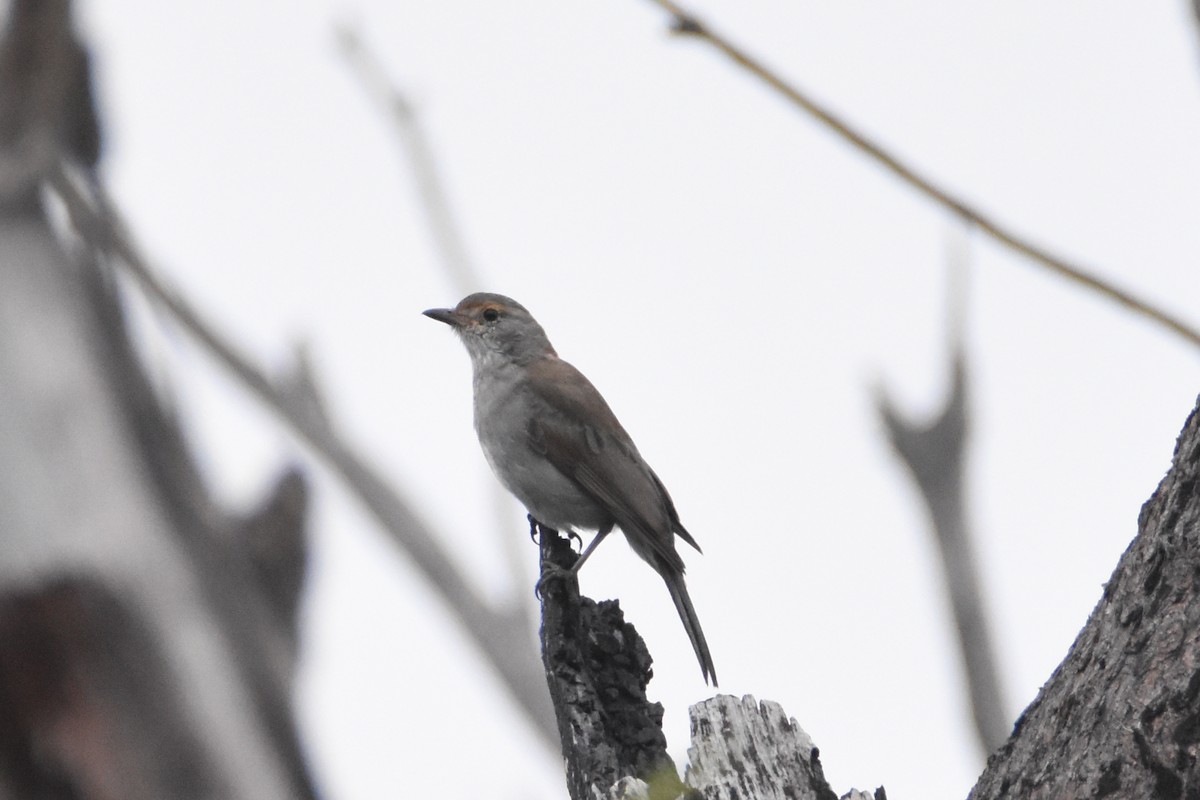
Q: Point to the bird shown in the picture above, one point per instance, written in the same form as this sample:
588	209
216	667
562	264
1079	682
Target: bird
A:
552	440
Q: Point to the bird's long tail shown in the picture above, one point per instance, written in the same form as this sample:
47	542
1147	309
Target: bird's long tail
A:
691	623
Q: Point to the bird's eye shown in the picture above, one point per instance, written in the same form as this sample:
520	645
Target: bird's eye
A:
491	314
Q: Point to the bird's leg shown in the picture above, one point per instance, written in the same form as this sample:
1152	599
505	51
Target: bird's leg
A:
600	534
551	570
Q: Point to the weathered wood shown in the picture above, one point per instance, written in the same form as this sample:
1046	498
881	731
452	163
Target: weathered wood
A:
1120	717
597	668
742	748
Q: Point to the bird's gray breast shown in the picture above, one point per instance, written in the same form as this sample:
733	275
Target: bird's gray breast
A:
506	418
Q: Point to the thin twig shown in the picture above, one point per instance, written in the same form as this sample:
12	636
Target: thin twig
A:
686	23
415	144
448	241
502	637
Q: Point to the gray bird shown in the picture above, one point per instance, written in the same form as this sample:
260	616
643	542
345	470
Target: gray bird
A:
555	444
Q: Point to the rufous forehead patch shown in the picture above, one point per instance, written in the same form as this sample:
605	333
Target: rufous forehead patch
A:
480	302
468	307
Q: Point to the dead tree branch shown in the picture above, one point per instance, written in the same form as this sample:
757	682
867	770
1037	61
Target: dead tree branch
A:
935	454
743	748
597	668
447	236
444	228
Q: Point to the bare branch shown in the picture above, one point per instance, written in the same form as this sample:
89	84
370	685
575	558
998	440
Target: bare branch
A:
1196	13
46	104
415	144
444	229
934	454
686	23
498	635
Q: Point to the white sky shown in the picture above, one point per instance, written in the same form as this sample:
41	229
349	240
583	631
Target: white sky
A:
734	279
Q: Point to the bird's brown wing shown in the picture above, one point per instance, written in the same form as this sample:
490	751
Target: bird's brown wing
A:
602	460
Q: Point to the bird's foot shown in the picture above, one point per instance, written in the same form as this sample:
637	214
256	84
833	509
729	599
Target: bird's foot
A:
537	528
551	571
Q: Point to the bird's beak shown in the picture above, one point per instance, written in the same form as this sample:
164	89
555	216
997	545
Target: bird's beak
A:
446	315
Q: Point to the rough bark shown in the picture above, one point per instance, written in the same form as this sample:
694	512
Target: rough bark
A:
597	668
741	748
1120	717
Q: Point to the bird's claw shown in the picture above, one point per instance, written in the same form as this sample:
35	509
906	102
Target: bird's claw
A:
551	571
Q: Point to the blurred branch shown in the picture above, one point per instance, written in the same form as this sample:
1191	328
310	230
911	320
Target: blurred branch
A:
935	454
1196	14
46	103
415	144
139	656
686	23
498	635
447	236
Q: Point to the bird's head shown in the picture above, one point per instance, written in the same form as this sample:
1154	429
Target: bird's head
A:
492	325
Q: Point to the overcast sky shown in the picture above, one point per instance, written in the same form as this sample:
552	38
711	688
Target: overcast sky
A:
734	279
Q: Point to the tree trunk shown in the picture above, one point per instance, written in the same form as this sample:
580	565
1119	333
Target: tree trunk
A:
147	638
1120	717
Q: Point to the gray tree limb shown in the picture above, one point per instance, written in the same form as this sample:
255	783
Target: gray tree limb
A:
935	456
